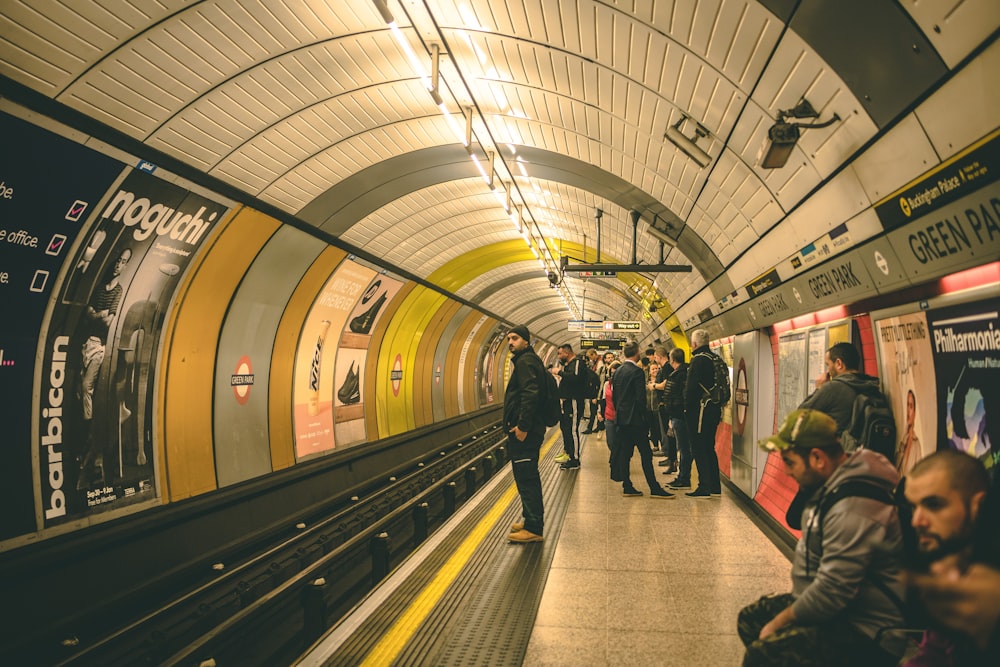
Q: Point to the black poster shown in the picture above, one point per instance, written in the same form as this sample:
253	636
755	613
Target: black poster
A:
966	344
99	356
49	186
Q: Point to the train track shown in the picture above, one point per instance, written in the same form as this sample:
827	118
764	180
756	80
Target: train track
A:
272	604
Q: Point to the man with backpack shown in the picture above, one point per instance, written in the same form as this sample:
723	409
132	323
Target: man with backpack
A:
837	391
846	582
523	402
703	415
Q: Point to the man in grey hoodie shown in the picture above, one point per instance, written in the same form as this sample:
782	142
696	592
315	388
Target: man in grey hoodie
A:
846	584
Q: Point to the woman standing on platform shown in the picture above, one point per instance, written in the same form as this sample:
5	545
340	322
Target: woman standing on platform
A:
609	416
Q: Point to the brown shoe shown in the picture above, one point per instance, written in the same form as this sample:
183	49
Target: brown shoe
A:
516	527
524	537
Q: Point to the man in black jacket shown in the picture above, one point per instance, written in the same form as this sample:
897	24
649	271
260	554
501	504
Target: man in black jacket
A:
628	396
668	442
703	416
572	386
525	431
673	401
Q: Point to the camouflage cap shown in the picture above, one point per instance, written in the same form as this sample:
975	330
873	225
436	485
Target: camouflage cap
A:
803	429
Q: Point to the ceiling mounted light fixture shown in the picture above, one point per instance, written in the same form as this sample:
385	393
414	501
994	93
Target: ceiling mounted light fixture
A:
689	145
663	231
783	136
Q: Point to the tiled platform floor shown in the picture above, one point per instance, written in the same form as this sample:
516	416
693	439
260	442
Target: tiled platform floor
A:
643	581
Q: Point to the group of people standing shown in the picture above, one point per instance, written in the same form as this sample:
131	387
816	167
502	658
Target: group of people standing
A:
642	404
617	393
670	404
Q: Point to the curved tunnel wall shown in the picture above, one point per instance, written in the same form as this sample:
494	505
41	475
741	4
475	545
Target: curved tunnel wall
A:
231	352
189	344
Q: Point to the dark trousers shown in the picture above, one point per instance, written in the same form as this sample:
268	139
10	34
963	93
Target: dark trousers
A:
570	427
669	445
629	437
703	449
524	459
596	409
832	644
683	437
609	437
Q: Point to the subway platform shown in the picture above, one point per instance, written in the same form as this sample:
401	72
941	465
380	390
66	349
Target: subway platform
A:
617	581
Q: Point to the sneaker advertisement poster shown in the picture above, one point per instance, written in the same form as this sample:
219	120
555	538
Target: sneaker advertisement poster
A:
349	408
99	351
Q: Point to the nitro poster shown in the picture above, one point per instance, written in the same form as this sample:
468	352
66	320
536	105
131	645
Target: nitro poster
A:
95	435
966	344
49	188
315	382
908	377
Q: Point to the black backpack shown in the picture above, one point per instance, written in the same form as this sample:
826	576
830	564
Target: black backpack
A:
872	425
551	411
720	392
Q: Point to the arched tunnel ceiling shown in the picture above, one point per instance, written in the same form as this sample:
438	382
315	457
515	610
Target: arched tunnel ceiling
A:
315	108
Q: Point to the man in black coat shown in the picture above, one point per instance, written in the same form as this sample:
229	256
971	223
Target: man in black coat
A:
703	417
525	432
628	395
673	400
572	388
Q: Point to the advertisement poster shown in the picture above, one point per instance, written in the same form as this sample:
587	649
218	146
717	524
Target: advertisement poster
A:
315	382
908	379
95	437
817	358
349	409
792	369
487	361
49	188
462	360
966	344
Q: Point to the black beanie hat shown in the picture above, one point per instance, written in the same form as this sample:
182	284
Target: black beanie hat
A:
522	331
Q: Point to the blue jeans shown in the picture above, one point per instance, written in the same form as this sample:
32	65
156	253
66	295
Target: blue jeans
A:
524	460
683	438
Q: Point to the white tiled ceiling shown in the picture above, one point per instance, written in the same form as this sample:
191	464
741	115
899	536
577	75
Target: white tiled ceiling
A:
287	99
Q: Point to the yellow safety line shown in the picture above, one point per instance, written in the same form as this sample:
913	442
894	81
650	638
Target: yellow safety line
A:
399	635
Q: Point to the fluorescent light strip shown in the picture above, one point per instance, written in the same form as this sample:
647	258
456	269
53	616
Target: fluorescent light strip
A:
411	55
466	137
453	124
480	167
